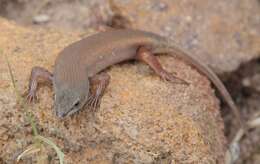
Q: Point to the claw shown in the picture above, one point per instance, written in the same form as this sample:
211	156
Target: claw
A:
94	99
31	97
93	102
173	79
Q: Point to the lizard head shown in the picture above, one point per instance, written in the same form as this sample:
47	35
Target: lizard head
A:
69	100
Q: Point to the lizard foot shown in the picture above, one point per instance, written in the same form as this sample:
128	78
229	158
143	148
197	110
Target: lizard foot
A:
93	102
166	76
31	97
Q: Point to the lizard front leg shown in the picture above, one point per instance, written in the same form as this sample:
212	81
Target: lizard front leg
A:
38	75
98	85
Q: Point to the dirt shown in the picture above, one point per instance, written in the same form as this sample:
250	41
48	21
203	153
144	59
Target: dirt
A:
223	34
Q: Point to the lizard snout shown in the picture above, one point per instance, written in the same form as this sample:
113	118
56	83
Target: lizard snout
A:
60	114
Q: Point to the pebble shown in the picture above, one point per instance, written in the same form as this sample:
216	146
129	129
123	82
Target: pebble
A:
40	19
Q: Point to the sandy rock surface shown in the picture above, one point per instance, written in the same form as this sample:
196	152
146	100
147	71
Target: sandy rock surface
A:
141	119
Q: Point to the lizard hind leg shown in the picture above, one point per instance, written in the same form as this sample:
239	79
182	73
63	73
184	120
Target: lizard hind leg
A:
98	85
145	55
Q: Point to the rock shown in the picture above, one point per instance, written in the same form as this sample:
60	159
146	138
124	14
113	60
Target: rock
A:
221	33
141	118
252	82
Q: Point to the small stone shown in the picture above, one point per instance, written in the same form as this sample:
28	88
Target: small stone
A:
160	6
40	19
188	18
246	82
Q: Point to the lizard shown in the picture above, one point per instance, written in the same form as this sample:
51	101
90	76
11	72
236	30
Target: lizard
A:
78	78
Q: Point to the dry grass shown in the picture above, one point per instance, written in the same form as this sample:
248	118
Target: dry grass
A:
38	141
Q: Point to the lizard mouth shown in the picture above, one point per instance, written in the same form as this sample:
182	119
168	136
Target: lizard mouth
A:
71	112
66	114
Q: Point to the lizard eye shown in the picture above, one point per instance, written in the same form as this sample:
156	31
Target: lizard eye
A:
76	103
